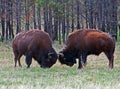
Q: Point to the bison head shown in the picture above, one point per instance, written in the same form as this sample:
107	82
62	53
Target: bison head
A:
67	58
49	60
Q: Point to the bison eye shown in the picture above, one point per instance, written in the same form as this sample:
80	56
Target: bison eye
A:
64	59
48	60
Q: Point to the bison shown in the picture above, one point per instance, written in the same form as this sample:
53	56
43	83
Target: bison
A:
82	43
34	44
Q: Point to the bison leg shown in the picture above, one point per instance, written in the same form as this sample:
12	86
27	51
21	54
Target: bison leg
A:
15	62
111	59
84	59
28	59
17	57
79	63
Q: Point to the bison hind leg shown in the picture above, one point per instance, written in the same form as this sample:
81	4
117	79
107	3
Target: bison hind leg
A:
110	57
17	58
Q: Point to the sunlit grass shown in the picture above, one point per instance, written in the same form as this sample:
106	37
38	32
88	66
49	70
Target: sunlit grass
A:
95	75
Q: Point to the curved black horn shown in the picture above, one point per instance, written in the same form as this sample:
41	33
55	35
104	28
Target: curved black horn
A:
61	54
50	54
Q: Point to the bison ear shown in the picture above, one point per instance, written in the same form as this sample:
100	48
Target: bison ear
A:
60	55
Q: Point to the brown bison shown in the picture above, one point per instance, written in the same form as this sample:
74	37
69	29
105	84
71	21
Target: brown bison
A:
34	44
82	43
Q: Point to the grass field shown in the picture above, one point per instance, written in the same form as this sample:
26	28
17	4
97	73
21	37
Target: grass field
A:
95	75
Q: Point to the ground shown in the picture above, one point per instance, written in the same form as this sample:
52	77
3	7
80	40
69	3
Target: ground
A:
95	75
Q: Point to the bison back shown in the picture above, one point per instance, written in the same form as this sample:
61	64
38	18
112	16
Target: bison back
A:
90	40
31	40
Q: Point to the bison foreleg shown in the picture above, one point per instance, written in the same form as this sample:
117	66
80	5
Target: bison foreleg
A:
84	59
79	63
28	59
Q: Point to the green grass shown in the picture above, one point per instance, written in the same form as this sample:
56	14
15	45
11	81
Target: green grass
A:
118	40
95	75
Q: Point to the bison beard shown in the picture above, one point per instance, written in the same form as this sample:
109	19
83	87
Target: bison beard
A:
82	43
34	44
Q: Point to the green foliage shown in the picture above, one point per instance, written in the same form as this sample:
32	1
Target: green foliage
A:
119	8
52	5
40	2
118	38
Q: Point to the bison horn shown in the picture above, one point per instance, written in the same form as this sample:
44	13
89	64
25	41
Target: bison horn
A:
50	54
61	54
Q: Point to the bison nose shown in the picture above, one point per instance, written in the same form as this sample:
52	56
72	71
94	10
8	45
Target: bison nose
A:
42	66
74	60
70	64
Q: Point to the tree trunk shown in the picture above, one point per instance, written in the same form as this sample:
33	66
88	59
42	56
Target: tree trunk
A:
99	15
27	15
18	15
103	16
91	14
8	20
72	25
67	21
55	32
114	22
86	13
63	24
34	16
108	15
78	16
3	15
46	16
50	26
39	17
59	29
11	20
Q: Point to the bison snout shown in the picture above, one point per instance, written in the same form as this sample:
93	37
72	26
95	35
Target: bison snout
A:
42	66
70	64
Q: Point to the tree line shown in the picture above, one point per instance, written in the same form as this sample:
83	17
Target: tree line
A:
57	17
